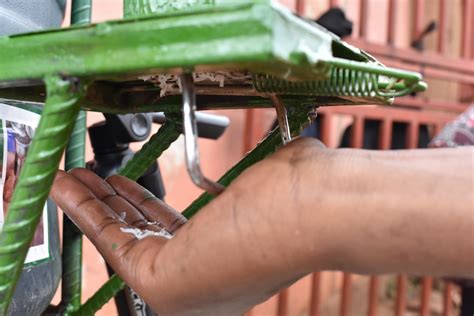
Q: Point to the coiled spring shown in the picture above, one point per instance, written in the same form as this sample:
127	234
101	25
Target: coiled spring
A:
342	82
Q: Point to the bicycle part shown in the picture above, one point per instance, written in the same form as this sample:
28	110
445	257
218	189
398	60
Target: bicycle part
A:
282	117
118	131
209	126
193	163
129	128
111	154
71	286
36	178
151	150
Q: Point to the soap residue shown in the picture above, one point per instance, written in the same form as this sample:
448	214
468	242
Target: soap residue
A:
143	233
170	83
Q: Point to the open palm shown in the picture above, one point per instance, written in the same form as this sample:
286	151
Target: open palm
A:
116	214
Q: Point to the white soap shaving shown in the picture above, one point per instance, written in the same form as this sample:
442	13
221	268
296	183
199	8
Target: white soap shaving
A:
166	82
154	223
143	233
213	77
122	217
170	83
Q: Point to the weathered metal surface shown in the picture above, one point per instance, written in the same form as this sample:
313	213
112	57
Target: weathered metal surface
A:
35	180
71	286
137	8
249	36
258	36
112	97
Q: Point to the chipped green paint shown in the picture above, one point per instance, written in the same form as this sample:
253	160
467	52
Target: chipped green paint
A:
245	35
137	8
259	36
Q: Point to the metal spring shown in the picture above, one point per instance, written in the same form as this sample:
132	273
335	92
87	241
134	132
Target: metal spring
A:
342	82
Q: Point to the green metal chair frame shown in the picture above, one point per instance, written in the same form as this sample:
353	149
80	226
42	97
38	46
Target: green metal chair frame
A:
93	67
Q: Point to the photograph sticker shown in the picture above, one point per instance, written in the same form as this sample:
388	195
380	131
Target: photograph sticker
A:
17	128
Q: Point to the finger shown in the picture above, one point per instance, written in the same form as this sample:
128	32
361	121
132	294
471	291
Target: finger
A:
95	219
152	208
104	192
96	184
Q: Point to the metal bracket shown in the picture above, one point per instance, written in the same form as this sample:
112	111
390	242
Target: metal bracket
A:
282	117
190	132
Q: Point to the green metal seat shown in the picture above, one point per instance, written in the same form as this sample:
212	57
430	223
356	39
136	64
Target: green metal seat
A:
283	53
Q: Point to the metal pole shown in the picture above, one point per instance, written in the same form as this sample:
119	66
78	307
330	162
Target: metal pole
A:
36	178
75	157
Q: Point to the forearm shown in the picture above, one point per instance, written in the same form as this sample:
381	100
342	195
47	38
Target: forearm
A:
400	211
308	209
240	241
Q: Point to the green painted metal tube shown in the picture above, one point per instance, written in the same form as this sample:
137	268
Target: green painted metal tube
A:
75	151
72	236
35	180
151	150
71	286
100	298
81	11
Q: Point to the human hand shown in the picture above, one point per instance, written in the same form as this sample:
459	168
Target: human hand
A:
303	209
111	213
116	215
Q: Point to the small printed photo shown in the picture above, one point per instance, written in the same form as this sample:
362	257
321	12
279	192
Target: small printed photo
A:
19	137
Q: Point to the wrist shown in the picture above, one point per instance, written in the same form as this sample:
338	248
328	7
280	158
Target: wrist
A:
326	186
307	195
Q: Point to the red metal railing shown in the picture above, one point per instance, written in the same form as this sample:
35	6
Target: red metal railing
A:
387	117
434	63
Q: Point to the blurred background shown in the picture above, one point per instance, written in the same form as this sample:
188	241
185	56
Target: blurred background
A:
433	37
